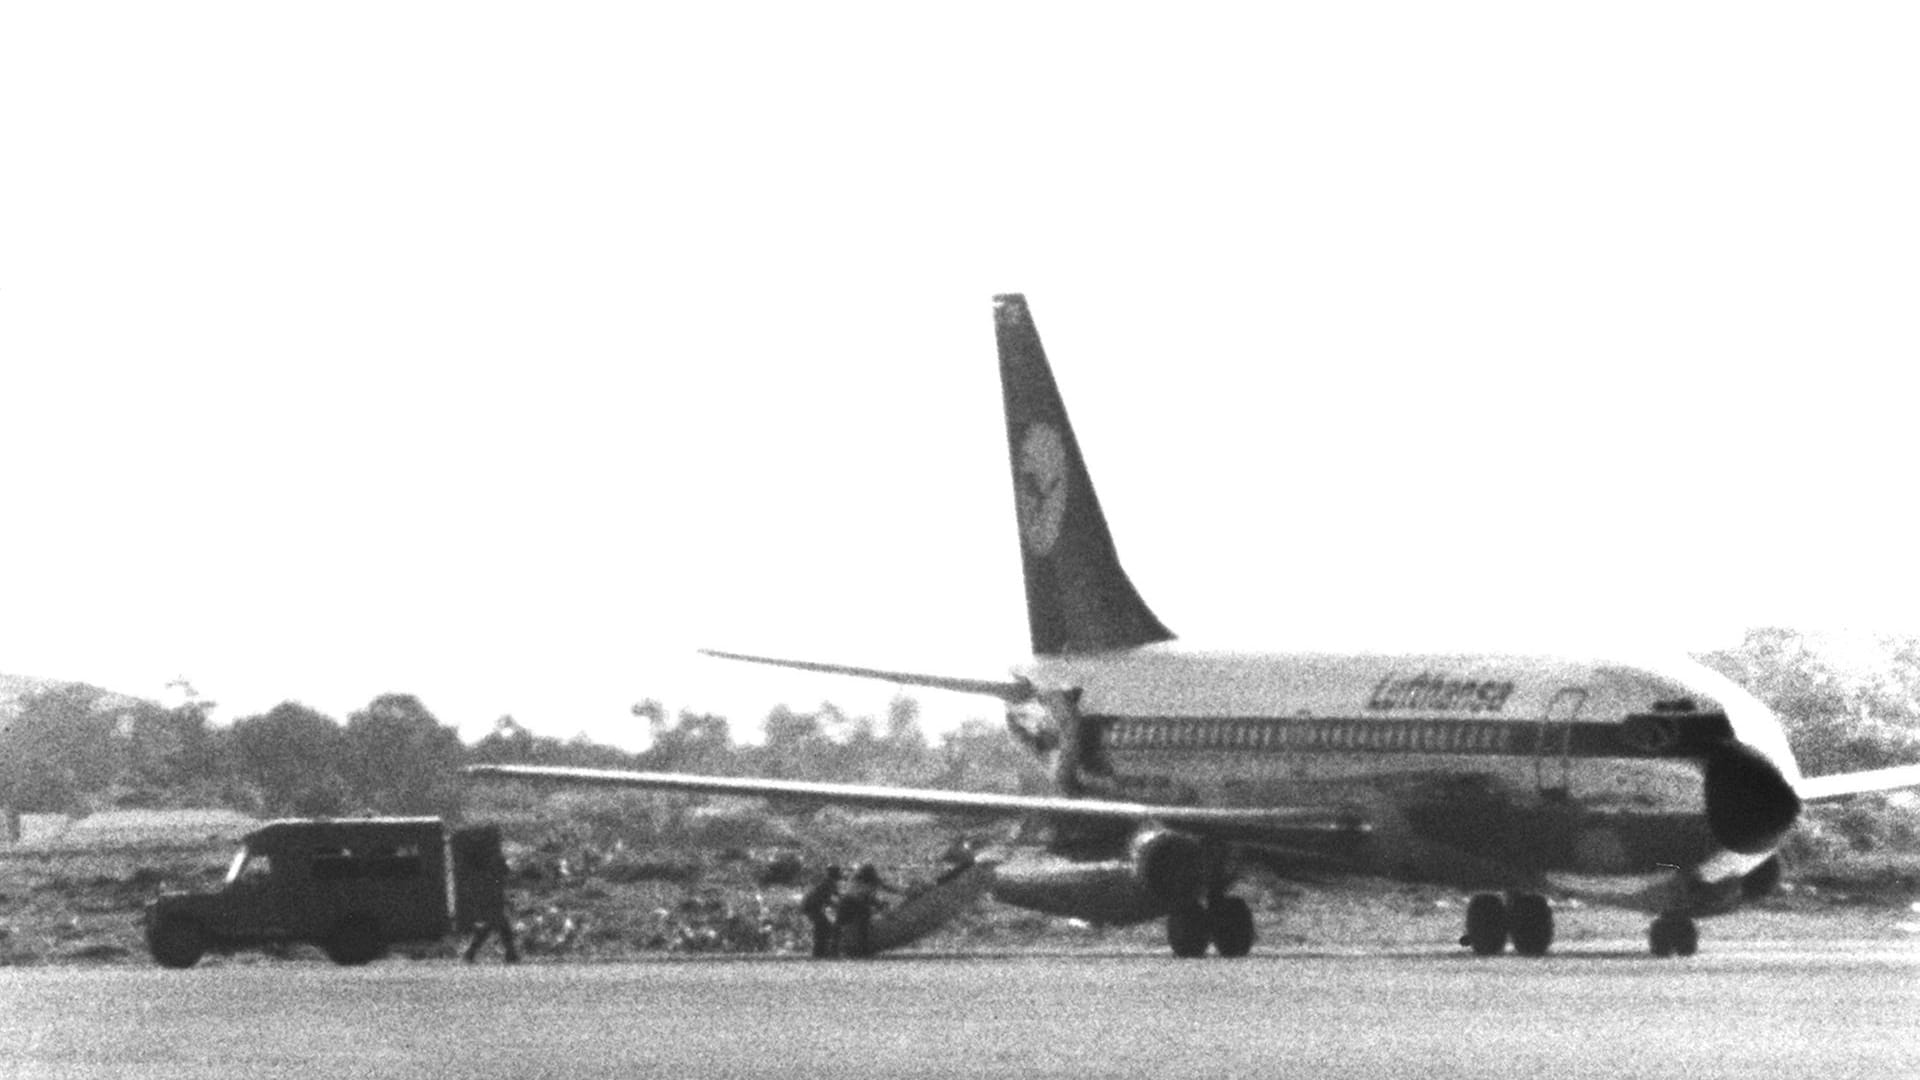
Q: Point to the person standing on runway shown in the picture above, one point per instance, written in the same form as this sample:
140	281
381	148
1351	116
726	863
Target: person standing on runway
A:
818	905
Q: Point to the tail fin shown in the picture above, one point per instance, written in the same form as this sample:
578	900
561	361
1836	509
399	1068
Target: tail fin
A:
1078	598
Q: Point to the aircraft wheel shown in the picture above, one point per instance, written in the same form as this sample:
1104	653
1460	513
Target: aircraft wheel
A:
176	943
1530	922
353	941
1673	935
1486	925
1689	938
1231	923
1187	929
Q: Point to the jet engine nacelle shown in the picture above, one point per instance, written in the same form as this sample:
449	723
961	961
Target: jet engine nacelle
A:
1750	804
1160	869
1169	864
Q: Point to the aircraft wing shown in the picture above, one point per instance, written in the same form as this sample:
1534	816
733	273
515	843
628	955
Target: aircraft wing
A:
1251	823
1859	783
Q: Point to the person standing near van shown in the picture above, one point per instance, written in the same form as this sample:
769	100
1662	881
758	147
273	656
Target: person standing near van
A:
480	890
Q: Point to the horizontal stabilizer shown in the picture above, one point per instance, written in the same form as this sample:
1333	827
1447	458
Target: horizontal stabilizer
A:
1015	691
1859	783
1238	823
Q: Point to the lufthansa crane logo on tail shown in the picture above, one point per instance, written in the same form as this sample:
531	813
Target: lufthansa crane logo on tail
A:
1042	490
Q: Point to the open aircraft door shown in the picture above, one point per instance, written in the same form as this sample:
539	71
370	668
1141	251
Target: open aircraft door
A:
1553	753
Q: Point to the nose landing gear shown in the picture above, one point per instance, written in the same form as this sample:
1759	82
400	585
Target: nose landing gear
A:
1673	934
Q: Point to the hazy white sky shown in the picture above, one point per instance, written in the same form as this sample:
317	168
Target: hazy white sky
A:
504	354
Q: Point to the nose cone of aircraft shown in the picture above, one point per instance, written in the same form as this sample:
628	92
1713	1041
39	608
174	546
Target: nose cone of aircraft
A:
1750	802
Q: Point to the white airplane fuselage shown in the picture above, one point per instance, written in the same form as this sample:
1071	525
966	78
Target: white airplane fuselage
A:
1531	771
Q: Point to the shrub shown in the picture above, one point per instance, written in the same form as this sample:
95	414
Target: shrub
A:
626	869
749	827
786	868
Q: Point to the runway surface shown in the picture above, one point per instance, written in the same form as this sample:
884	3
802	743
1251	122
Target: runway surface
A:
1827	1009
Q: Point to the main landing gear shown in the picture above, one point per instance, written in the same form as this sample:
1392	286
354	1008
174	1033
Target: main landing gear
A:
1523	918
1527	921
1225	922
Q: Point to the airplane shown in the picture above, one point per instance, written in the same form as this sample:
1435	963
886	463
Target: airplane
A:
1660	786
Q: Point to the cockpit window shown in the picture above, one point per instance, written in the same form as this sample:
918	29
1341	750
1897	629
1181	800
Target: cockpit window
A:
249	866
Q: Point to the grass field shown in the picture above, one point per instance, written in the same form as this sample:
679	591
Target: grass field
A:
586	896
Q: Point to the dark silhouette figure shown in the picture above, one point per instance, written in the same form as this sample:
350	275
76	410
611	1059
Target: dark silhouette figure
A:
480	890
857	906
818	904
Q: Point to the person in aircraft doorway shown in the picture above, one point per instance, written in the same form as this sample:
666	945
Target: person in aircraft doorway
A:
857	905
818	906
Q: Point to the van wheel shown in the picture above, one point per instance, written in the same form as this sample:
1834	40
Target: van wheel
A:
353	941
176	943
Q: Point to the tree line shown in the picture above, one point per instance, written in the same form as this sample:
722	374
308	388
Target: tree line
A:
74	748
1846	706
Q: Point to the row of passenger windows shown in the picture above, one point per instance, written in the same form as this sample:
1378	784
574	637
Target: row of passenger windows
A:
1433	736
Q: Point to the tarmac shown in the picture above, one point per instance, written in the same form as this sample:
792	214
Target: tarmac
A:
1833	1009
